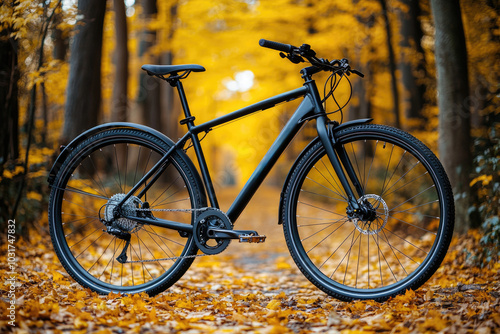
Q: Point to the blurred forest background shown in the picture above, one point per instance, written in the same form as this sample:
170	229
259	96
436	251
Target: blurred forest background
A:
431	69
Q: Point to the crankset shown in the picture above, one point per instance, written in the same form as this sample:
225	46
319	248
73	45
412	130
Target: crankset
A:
213	231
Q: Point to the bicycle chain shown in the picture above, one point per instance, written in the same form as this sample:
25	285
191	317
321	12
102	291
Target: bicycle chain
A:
168	258
173	257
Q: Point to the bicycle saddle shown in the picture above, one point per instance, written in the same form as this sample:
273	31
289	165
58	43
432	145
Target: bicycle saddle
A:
167	69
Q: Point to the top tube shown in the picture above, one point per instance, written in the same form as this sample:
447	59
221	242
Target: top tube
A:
262	105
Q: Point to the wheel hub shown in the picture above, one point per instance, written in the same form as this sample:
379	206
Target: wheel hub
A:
128	209
371	220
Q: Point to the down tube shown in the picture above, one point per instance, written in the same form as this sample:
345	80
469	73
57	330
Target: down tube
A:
285	137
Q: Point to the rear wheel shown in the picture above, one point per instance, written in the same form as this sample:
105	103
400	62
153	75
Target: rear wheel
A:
87	237
399	246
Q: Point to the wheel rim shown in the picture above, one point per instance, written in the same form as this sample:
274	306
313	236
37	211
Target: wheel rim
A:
368	258
105	171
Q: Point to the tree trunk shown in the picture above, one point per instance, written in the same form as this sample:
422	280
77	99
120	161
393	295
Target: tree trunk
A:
361	107
84	84
9	110
412	62
392	64
149	87
119	107
59	39
9	124
170	111
454	115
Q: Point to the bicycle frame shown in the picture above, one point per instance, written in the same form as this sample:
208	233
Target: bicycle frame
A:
309	107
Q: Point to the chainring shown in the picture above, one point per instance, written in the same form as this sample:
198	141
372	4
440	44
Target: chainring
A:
211	218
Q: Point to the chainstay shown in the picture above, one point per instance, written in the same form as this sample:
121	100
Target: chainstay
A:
174	210
173	257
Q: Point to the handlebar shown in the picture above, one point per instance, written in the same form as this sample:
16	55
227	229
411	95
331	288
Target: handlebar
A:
297	55
277	46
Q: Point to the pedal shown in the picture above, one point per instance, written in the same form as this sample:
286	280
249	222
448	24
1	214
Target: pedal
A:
252	238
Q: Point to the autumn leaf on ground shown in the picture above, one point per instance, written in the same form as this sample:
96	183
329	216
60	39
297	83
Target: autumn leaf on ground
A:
239	297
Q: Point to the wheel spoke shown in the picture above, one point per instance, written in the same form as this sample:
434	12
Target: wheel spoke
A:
329	211
401	177
324	237
164	191
338	188
79	228
104	252
392	249
409	199
170	252
118	169
325	196
81	192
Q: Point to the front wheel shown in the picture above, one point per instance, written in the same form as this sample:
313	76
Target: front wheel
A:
400	246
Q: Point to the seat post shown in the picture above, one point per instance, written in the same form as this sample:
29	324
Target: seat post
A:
182	95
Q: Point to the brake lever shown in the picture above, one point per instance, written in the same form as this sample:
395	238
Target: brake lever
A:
358	73
306	51
293	58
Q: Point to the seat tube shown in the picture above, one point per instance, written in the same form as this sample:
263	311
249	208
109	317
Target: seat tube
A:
189	121
204	171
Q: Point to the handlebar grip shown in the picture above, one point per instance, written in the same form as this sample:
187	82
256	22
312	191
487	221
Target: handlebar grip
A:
277	46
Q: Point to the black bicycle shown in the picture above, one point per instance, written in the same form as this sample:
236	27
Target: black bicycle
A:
367	210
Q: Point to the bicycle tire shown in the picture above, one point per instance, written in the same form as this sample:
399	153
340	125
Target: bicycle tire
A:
93	178
410	236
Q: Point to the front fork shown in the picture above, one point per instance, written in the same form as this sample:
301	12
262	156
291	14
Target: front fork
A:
342	166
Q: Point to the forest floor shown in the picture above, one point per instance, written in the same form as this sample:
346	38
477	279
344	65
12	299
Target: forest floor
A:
253	288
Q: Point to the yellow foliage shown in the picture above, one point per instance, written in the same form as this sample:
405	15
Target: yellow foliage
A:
281	263
274	304
34	195
484	179
8	174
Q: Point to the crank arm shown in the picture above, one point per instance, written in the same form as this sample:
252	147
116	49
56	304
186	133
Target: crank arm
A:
242	235
163	223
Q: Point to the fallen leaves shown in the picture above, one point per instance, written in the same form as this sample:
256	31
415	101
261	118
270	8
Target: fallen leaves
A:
262	293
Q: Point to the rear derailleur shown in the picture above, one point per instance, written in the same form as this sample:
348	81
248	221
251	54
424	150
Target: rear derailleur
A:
121	227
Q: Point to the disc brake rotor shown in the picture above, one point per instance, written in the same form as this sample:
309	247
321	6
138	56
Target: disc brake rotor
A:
373	227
